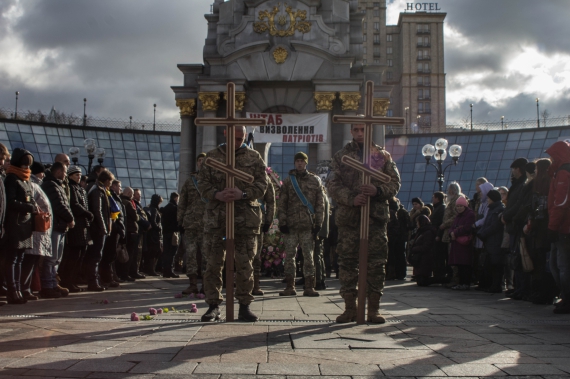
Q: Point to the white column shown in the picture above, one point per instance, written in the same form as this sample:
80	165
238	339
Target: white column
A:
347	136
209	134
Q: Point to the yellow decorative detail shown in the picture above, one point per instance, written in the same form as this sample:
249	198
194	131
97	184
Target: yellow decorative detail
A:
350	100
209	100
381	107
280	55
240	100
262	26
187	107
324	100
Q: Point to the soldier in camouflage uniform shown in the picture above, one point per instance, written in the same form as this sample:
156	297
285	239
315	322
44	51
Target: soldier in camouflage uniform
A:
247	220
298	225
191	208
268	209
345	187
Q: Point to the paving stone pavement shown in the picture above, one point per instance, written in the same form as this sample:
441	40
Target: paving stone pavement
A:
431	332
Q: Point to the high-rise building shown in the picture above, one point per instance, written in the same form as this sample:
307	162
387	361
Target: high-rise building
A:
412	55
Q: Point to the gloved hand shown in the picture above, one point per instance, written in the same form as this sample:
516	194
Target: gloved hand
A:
284	229
90	216
316	230
266	227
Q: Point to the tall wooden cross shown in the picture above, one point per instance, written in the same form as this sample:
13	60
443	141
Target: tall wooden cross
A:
231	174
368	120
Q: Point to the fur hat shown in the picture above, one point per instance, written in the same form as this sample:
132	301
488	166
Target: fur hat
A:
37	168
418	200
303	156
462	201
519	163
494	195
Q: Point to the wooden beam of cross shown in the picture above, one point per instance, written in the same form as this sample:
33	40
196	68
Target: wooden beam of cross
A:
368	120
231	174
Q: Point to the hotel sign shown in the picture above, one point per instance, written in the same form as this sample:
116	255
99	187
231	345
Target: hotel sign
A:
422	7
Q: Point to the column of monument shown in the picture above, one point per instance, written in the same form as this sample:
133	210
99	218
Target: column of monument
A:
350	104
210	102
380	109
324	104
187	139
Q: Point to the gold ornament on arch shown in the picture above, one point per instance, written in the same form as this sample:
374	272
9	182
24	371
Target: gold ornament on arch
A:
381	107
262	26
280	55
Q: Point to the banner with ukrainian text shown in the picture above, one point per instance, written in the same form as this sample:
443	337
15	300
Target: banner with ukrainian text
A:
291	128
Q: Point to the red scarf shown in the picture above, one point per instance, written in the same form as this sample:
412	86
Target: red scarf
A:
22	173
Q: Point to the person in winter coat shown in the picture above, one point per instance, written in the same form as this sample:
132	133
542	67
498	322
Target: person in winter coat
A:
154	236
559	221
461	250
440	249
20	208
491	234
77	238
92	177
482	271
4	156
396	242
423	249
107	265
132	236
170	228
62	221
453	193
98	200
42	240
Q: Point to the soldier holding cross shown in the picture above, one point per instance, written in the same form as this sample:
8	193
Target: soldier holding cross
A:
248	218
346	188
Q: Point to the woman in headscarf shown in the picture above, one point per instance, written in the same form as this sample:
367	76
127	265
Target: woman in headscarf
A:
453	193
20	209
461	250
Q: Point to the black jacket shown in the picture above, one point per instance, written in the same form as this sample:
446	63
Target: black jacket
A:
491	233
143	218
514	202
119	224
62	214
99	206
131	216
78	236
19	221
436	217
155	234
169	222
423	246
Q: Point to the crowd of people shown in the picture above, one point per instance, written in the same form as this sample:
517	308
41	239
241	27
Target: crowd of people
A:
514	240
62	231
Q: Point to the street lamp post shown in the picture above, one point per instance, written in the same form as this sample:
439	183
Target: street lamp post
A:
74	153
130	122
16	112
419	117
84	114
537	114
406	109
154	119
439	153
502	124
471	106
90	147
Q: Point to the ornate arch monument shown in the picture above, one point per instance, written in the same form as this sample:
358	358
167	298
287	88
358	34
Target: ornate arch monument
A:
304	55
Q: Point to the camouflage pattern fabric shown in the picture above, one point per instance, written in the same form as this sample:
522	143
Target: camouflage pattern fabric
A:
292	212
291	241
257	258
319	260
248	215
191	207
348	249
245	248
269	200
194	242
343	186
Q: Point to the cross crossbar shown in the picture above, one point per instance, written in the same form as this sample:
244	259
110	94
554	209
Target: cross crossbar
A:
229	170
357	165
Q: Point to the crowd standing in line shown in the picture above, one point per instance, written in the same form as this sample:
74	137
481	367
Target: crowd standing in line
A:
65	232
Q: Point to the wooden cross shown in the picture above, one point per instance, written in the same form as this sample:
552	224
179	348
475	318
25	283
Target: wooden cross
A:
368	120
231	174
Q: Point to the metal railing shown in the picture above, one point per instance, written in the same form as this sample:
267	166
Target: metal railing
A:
60	118
423	31
506	124
423	44
424	58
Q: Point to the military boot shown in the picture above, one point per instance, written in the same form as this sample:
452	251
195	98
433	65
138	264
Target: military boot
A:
256	288
193	287
290	289
310	287
212	314
245	314
349	314
374	315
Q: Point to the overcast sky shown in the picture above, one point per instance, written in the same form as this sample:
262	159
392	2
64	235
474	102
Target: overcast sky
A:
122	55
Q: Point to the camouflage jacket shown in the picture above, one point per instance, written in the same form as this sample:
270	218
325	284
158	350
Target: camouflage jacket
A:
268	203
344	183
191	207
292	212
248	216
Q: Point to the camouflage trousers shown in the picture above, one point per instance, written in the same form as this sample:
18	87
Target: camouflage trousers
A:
257	258
291	241
245	250
348	249
194	242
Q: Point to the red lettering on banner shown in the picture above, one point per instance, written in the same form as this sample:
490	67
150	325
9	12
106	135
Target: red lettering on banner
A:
270	119
320	138
279	119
